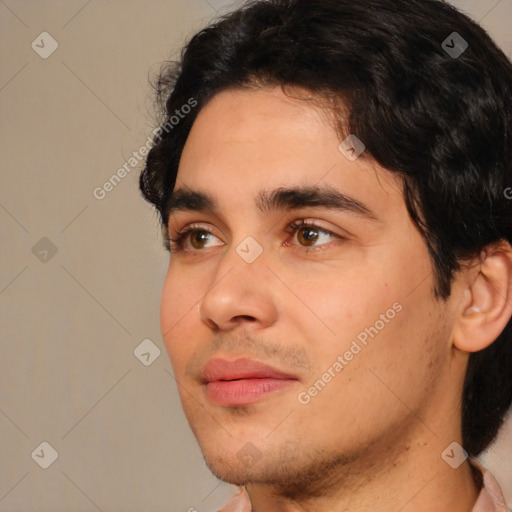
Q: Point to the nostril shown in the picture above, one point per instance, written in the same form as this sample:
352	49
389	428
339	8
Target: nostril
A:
246	317
211	324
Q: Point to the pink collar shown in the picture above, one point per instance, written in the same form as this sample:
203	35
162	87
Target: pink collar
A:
490	498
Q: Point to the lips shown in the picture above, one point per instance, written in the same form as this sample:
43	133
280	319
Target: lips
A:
243	381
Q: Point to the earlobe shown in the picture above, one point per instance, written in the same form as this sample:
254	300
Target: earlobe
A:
487	307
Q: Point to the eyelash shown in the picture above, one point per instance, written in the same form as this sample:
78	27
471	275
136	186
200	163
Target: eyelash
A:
177	244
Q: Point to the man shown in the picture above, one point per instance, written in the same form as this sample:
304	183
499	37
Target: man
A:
331	177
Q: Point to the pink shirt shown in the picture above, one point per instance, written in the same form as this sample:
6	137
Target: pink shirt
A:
490	498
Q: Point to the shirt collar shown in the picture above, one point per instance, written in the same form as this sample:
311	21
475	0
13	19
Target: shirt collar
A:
490	498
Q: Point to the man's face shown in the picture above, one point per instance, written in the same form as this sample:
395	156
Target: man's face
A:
342	312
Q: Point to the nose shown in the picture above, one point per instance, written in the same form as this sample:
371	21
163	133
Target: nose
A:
239	293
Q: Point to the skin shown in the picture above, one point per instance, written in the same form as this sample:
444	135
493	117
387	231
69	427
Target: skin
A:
375	433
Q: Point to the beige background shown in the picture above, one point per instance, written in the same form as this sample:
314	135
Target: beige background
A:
70	324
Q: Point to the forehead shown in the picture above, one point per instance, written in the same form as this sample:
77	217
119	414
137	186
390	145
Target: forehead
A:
247	141
252	129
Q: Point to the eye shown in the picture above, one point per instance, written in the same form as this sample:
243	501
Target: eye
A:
308	233
197	235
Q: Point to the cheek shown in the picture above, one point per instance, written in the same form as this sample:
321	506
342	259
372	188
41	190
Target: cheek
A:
398	364
180	292
349	303
176	310
372	313
407	355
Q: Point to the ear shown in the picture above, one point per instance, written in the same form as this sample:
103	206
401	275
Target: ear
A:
486	307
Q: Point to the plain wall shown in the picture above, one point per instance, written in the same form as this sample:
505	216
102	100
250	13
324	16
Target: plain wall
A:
72	320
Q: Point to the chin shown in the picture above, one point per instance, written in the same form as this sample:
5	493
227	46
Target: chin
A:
292	476
294	470
230	469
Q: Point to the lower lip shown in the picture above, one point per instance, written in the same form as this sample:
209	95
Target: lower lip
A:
244	391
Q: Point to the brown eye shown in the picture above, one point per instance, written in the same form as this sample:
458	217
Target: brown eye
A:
192	239
197	238
307	236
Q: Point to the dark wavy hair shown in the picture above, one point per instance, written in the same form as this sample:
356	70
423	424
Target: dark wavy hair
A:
383	69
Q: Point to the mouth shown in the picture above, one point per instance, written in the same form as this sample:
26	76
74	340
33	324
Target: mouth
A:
243	381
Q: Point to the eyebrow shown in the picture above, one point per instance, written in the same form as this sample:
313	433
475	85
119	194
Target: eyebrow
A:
268	201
